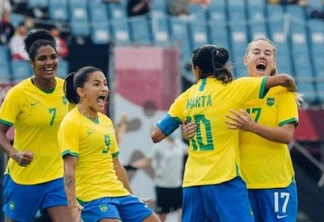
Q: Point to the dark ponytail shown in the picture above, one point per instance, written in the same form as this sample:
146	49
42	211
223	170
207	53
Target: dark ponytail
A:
69	90
212	61
75	80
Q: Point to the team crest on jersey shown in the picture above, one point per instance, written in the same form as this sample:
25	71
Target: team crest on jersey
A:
270	101
103	208
11	205
64	100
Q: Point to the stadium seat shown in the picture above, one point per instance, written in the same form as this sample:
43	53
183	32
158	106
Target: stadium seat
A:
216	11
15	19
20	70
274	12
159	6
58	10
160	29
219	34
308	91
116	11
120	31
140	30
198	13
79	19
37	3
100	33
5	76
180	34
316	37
198	33
63	69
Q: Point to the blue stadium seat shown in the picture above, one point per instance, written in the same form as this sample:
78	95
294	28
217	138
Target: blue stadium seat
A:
116	11
257	18
320	91
253	3
37	3
198	34
219	34
159	6
216	11
100	33
79	19
15	19
237	13
296	11
280	38
140	30
5	74
275	12
180	34
120	31
58	10
308	91
160	29
198	12
63	69
20	70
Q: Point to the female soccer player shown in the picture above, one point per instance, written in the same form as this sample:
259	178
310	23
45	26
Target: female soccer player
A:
213	187
266	127
96	183
35	107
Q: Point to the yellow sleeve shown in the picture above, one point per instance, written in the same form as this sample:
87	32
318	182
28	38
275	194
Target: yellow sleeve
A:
287	108
11	107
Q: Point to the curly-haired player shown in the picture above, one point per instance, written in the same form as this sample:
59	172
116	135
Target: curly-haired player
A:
35	107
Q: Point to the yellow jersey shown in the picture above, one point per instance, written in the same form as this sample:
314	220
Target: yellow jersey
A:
214	150
265	163
94	144
36	115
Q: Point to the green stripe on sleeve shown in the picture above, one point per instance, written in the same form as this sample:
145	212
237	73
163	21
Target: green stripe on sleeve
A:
68	152
292	120
6	122
115	154
263	90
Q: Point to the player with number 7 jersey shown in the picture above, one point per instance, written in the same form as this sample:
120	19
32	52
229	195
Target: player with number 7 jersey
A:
213	187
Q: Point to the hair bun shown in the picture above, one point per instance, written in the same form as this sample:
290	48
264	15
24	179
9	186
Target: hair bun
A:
222	55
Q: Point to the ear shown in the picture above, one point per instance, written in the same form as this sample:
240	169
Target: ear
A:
80	92
32	64
245	60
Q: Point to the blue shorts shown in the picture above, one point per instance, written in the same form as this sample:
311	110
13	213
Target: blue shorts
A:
127	209
21	202
227	201
279	204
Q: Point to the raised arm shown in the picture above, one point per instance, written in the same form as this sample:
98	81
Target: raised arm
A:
281	80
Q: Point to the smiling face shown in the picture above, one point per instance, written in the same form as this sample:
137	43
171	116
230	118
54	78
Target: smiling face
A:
94	93
45	63
260	58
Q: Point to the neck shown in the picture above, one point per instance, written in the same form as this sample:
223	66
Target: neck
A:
44	84
87	112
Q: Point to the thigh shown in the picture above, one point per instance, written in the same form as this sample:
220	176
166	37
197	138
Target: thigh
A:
193	207
228	201
21	202
132	209
279	204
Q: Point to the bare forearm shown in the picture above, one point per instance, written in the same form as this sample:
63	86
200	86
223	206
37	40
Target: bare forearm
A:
276	134
69	186
122	176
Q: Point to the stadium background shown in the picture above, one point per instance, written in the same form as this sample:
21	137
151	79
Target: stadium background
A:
146	59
